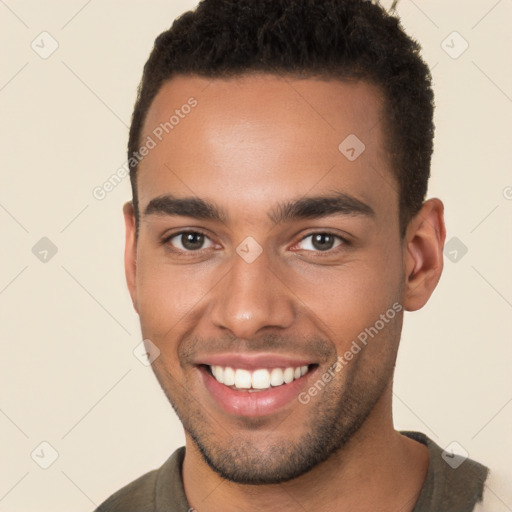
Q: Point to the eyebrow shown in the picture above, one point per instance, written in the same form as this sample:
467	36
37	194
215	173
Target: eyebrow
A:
186	207
313	207
310	207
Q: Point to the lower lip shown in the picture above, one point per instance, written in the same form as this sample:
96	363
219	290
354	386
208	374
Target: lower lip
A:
253	403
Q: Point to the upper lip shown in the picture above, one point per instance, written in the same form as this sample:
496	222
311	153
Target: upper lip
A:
254	361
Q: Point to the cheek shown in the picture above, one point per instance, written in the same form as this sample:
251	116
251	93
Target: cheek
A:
344	301
352	292
169	296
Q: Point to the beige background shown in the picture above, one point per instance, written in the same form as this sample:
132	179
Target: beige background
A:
67	372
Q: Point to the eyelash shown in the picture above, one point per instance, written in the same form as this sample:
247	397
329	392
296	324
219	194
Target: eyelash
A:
165	241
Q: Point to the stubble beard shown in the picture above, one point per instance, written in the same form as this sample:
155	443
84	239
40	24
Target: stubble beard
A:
335	416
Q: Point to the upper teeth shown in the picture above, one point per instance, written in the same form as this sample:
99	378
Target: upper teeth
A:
257	379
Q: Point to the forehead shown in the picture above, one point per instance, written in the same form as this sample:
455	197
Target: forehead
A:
264	138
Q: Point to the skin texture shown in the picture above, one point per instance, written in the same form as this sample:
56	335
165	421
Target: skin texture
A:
251	143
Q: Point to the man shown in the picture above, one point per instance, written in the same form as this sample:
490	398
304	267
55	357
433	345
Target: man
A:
280	153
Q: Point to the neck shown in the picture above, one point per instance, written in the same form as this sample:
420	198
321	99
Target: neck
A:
377	465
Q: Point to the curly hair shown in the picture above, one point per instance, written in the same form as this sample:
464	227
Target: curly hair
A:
340	39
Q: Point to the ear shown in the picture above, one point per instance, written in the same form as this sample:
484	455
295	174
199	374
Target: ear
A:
130	251
423	254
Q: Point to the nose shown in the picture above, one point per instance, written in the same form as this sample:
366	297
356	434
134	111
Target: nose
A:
250	298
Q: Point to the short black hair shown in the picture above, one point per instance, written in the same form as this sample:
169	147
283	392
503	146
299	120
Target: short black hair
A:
340	39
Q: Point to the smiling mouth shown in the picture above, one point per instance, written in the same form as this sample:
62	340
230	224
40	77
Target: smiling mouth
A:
260	379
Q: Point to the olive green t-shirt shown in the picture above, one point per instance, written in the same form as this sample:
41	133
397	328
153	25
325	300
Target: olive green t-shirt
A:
447	487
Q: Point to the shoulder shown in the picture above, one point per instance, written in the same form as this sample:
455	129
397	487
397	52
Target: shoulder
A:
145	493
138	495
497	495
453	482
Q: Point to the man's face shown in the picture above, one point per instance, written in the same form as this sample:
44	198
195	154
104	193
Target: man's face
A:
259	157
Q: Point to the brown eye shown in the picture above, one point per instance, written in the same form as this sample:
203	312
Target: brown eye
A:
320	242
190	241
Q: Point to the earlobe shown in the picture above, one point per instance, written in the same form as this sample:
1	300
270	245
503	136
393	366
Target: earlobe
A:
423	257
130	251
